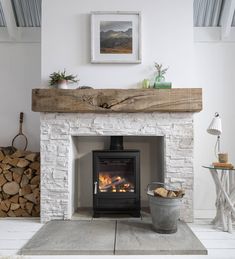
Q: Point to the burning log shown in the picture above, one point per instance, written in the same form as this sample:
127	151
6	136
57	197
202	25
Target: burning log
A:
114	184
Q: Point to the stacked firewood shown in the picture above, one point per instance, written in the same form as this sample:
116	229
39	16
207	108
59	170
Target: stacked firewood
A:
19	183
165	193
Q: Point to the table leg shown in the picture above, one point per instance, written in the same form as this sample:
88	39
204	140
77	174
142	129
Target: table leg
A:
219	218
230	225
224	205
229	189
223	180
226	197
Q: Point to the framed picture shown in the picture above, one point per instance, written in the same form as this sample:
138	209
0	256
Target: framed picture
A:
115	37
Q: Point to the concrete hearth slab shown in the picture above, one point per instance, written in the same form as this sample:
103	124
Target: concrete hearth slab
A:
122	237
139	238
73	238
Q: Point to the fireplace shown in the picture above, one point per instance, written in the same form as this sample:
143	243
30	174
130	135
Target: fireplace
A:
108	112
61	154
116	179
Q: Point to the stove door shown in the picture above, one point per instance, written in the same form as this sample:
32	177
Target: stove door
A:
116	181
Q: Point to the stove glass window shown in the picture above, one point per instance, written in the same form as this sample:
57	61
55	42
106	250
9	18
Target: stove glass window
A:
116	175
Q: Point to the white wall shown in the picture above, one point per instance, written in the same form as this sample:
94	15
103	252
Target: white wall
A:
215	64
19	73
167	37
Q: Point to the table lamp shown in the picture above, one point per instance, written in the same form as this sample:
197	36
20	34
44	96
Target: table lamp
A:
215	128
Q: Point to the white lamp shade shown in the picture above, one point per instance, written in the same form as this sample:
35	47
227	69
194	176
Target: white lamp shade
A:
215	128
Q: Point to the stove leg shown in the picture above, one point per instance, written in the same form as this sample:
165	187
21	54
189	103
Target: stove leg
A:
135	214
96	214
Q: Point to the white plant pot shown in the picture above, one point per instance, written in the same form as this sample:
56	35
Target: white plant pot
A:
63	85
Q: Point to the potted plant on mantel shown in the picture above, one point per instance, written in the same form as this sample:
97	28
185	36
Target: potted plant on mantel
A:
61	80
159	82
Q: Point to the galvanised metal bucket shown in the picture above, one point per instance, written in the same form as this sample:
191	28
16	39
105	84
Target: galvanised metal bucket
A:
165	212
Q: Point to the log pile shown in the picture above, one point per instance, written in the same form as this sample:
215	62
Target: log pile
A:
165	193
19	183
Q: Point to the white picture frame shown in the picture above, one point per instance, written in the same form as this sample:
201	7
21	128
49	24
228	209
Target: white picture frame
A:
116	37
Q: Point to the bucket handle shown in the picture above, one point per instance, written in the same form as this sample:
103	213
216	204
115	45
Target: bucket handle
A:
153	183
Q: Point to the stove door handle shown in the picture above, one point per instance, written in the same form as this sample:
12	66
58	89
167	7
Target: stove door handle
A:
95	187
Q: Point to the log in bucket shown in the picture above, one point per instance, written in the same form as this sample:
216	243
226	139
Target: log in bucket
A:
165	212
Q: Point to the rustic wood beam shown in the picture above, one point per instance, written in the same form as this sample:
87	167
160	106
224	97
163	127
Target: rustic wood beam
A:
117	100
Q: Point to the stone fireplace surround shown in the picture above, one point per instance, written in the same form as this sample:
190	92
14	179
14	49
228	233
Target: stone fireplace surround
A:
57	165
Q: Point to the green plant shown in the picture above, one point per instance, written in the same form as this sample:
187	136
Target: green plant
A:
56	77
160	70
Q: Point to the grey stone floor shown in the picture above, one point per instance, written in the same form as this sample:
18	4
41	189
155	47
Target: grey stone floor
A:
108	237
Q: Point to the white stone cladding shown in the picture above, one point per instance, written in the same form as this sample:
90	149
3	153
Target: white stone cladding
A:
57	130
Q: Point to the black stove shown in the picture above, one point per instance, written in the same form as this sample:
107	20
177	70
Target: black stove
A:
116	178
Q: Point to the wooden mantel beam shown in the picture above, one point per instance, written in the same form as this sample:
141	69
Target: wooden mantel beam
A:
117	100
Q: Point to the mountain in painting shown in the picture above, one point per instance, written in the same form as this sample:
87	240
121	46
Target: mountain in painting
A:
116	42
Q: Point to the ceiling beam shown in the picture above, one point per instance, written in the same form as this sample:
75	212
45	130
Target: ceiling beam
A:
12	29
227	18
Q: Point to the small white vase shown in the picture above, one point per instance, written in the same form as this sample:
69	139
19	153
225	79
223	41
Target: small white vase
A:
63	84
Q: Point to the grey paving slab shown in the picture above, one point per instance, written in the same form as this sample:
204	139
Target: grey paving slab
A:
122	237
138	238
73	238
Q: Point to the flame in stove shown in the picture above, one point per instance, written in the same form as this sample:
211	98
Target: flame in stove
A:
108	183
104	180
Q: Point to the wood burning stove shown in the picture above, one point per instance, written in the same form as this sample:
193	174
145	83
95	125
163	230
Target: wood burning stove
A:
116	177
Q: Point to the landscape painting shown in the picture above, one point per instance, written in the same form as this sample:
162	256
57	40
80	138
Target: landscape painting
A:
116	37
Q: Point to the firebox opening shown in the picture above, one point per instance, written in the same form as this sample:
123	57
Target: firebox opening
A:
151	150
117	178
